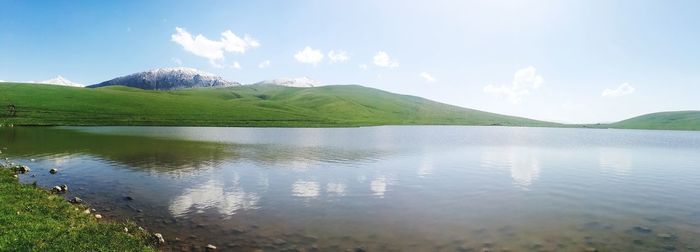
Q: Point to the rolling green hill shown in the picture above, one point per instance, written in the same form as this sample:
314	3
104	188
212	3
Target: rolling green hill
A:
252	105
676	120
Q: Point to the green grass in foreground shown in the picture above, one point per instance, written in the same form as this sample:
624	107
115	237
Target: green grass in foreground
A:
256	105
32	219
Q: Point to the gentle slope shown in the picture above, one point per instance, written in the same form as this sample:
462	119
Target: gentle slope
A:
676	120
255	105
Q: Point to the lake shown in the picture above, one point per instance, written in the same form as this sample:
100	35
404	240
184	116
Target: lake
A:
391	188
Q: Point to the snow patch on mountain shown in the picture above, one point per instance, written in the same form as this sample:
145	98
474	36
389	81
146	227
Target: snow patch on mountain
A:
60	80
168	79
292	82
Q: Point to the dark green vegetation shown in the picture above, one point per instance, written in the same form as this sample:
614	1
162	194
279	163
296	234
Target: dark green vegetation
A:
36	220
257	105
676	120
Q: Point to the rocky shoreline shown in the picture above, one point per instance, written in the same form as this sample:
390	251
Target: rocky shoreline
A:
155	239
137	235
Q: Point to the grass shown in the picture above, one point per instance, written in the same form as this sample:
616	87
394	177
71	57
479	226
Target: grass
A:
675	120
266	106
32	219
257	105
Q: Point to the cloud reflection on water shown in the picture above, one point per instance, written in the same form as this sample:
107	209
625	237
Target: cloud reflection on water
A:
522	164
306	189
336	189
524	169
426	166
615	159
378	187
213	195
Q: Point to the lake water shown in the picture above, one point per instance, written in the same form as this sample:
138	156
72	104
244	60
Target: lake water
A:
410	188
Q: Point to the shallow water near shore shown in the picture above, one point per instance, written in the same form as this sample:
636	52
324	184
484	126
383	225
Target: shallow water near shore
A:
392	188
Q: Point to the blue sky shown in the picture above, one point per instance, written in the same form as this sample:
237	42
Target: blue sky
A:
550	60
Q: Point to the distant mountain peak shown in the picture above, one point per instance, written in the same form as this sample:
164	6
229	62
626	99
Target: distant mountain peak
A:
60	80
169	78
183	70
292	82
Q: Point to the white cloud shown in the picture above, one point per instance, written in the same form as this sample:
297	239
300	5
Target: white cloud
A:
362	66
199	45
382	59
216	64
233	43
309	56
236	65
427	77
525	81
338	56
213	49
264	64
622	90
569	105
177	61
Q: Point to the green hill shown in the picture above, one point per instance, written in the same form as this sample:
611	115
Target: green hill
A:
676	120
255	105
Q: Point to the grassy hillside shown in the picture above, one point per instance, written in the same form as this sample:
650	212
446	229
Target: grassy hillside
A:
257	105
676	120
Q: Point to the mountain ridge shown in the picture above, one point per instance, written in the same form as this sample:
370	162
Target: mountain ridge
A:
60	80
291	82
168	79
185	77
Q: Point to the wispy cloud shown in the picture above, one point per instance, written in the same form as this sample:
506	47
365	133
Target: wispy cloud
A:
382	59
622	90
236	65
525	81
213	49
177	61
309	56
264	64
427	77
362	66
338	56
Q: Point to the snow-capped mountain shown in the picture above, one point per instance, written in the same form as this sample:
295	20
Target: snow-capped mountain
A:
59	80
169	78
292	82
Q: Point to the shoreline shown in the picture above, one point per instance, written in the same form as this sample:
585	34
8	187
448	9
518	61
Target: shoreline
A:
35	219
347	126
